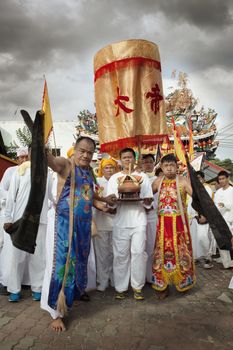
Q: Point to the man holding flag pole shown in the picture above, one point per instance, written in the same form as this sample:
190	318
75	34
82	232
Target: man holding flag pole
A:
26	216
173	258
75	195
68	278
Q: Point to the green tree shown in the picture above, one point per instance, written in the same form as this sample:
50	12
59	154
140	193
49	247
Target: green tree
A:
24	139
226	164
24	136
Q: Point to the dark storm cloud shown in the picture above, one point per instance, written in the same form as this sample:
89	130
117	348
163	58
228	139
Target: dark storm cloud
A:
55	33
207	14
31	36
195	53
53	37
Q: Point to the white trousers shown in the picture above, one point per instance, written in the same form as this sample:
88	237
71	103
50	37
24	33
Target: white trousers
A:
130	257
226	258
5	254
231	284
5	258
2	216
213	246
203	240
36	265
150	246
49	266
225	254
193	232
1	229
104	258
91	269
5	267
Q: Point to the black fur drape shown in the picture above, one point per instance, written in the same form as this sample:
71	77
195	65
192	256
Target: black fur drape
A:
205	206
24	231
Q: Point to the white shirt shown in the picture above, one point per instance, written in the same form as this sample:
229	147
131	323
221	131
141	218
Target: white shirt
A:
209	190
130	214
6	180
152	214
104	221
18	195
225	197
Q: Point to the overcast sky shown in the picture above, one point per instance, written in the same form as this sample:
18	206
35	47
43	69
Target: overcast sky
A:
60	38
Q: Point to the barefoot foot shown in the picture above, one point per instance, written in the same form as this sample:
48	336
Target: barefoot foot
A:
57	325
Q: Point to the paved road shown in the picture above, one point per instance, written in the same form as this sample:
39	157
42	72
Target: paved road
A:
196	320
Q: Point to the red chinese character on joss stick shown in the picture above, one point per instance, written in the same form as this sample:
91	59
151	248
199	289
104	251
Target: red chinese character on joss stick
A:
155	98
120	104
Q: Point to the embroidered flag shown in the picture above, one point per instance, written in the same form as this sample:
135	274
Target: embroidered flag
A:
48	123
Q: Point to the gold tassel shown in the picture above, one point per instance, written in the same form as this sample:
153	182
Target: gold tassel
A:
61	303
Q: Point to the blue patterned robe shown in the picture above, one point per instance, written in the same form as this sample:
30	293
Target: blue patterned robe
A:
77	276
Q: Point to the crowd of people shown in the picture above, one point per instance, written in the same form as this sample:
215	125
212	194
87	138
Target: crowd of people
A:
89	237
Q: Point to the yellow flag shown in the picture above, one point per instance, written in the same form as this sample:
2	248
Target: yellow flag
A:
178	145
191	149
48	123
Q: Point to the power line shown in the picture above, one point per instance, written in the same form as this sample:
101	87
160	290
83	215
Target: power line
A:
225	146
225	140
225	135
227	126
226	143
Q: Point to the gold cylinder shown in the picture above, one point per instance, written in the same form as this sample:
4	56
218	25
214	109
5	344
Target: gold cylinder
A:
129	95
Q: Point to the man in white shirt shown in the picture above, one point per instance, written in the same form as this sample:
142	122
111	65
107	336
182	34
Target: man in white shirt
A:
129	231
223	200
16	202
5	241
206	244
148	165
104	223
22	156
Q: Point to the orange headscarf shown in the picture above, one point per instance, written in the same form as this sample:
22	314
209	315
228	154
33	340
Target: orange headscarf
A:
104	162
